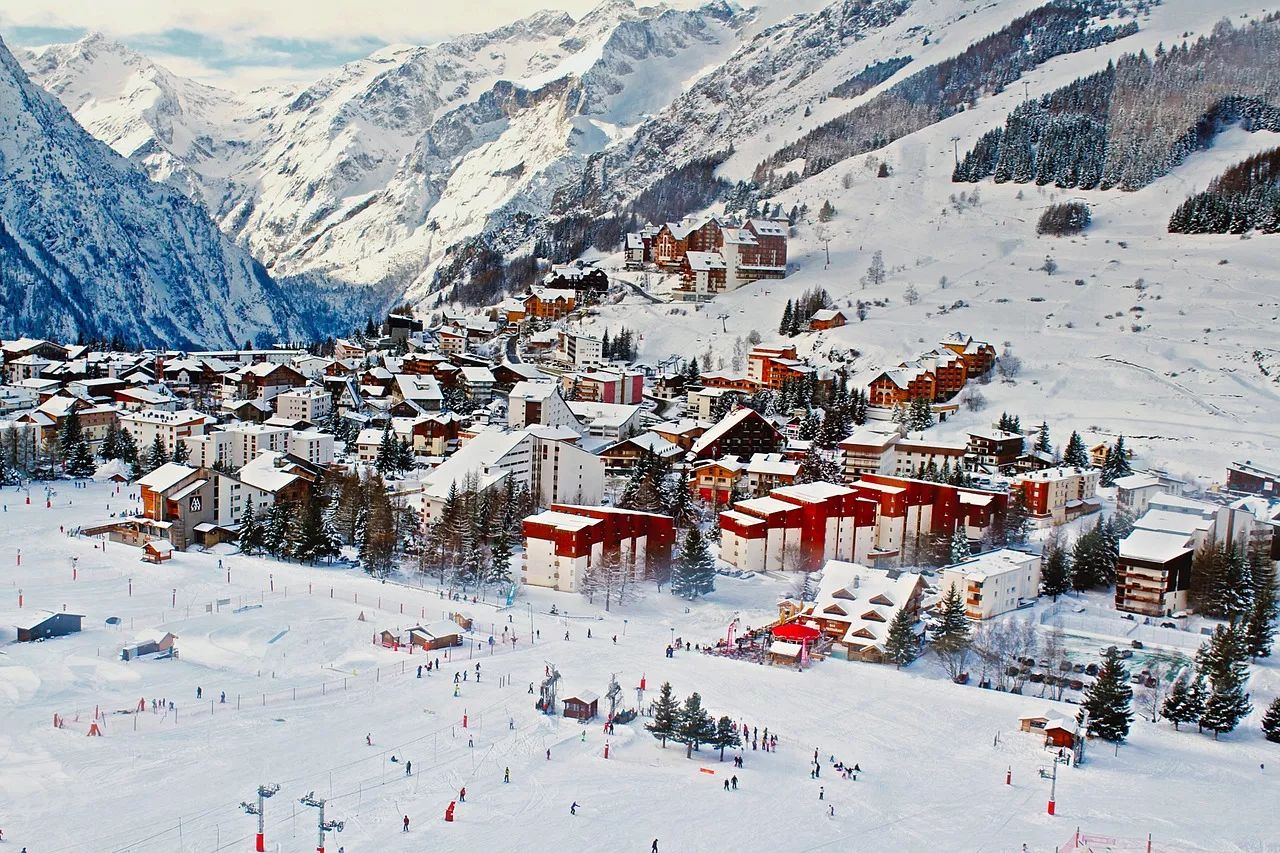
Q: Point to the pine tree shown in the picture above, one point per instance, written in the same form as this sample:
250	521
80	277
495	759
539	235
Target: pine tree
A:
1043	444
306	540
1222	662
1227	704
156	456
1197	695
500	558
952	624
80	459
277	528
666	715
1017	518
694	573
727	736
784	328
1271	721
388	454
1116	464
128	447
694	726
952	638
1055	571
1076	455
1177	707
110	447
679	499
252	534
1260	626
959	546
818	467
901	645
329	544
1108	699
181	453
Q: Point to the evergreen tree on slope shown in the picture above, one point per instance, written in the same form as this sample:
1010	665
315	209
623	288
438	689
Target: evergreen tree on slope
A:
694	726
1108	700
666	713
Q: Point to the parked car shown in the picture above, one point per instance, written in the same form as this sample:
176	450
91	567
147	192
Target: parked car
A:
1168	625
1076	684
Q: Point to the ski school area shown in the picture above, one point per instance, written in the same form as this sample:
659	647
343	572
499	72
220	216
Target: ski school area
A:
151	722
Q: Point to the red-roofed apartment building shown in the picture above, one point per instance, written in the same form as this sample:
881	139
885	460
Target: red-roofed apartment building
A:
565	544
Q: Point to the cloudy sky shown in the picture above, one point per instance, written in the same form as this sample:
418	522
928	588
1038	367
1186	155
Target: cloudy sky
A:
242	44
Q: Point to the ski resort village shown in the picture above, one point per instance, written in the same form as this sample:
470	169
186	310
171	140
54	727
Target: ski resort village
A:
680	428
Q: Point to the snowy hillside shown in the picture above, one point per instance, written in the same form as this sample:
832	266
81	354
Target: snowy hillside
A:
1166	338
89	246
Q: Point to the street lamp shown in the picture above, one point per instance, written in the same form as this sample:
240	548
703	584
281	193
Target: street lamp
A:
624	627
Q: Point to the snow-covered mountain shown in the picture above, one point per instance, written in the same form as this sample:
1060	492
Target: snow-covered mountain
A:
369	174
90	246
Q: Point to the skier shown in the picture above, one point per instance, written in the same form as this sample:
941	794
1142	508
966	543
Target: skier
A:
408	768
573	809
471	742
223	698
419	670
588	633
406	823
548	755
822	793
726	784
198	692
833	810
368	740
462	795
654	847
734	780
506	776
566	635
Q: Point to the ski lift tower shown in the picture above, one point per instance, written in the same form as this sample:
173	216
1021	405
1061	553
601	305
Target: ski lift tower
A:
324	826
548	694
265	792
613	694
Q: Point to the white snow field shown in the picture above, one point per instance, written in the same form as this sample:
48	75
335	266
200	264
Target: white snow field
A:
933	774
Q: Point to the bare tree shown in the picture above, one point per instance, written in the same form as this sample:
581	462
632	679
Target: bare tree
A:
875	274
911	295
1150	697
973	399
1055	643
1008	365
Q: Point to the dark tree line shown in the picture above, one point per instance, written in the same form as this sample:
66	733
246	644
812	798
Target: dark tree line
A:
1060	220
1241	199
944	89
868	78
1129	124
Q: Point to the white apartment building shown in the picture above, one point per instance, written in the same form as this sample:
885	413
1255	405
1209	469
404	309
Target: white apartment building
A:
539	404
239	444
308	404
555	470
171	427
994	582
